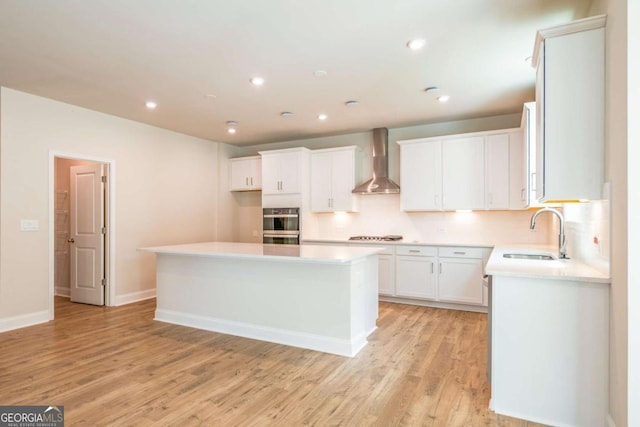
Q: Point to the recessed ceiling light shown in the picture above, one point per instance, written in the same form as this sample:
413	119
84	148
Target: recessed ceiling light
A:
231	130
432	89
210	96
257	81
320	73
443	98
150	105
322	116
232	123
286	114
416	44
351	103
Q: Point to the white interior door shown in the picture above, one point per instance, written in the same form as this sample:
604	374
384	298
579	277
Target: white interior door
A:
86	237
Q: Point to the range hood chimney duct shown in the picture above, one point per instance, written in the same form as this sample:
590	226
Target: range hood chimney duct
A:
380	183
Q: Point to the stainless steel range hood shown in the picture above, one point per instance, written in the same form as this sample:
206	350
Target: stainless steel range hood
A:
380	183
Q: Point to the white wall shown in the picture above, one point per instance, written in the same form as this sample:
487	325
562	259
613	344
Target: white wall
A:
166	192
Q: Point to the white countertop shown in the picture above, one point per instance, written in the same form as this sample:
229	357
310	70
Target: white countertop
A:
259	251
556	269
393	242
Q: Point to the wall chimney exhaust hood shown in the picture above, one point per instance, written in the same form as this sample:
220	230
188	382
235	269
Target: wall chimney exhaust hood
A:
380	183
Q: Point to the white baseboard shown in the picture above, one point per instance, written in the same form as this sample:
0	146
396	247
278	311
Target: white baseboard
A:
341	347
24	320
62	292
610	422
134	297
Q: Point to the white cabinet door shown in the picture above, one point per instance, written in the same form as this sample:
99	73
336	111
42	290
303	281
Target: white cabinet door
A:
321	181
289	173
416	277
245	174
497	171
421	176
460	280
343	180
333	176
386	275
571	75
463	173
281	173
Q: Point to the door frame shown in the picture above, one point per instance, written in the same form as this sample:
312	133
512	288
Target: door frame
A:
110	222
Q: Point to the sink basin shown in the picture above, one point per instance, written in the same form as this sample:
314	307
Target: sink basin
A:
538	257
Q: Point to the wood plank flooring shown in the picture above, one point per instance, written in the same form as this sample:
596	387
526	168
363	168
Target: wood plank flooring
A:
116	366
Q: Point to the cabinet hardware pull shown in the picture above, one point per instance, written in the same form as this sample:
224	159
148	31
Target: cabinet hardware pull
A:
440	268
246	181
533	181
251	180
522	193
414	251
459	253
431	268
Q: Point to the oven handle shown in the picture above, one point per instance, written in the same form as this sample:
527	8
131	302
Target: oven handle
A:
285	236
281	216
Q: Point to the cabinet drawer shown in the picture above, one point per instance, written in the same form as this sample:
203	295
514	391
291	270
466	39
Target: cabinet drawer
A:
460	252
417	250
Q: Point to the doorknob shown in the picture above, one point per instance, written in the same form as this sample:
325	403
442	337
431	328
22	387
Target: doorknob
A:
71	240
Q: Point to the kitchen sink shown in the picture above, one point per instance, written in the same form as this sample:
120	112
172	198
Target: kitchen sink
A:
538	257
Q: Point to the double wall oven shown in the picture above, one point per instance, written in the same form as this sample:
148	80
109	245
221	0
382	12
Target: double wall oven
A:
281	226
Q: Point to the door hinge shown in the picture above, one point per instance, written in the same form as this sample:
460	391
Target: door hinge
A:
104	230
104	281
103	178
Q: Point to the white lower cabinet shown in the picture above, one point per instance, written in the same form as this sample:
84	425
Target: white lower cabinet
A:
386	272
416	272
460	280
444	274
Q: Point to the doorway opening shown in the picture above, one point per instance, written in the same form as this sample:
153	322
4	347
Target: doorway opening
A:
81	248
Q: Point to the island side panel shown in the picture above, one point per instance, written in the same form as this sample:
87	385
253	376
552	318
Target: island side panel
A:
309	305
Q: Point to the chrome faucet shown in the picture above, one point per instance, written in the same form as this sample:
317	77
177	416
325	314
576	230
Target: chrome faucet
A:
562	240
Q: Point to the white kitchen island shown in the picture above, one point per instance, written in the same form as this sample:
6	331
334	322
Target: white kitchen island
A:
322	298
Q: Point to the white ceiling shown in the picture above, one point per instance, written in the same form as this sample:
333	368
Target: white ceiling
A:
113	55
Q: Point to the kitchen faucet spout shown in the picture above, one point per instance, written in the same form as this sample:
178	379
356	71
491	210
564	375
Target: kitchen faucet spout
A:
562	240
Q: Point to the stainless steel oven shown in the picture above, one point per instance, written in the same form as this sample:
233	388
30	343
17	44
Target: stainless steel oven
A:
281	226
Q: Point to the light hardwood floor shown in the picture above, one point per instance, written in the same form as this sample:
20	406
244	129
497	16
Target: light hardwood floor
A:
116	366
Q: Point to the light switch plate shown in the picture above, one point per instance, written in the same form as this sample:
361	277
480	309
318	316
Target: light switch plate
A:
29	225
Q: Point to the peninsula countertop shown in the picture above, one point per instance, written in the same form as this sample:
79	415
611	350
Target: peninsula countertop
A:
259	251
560	269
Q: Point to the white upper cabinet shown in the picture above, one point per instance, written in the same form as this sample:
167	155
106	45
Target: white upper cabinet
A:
570	118
421	176
475	171
282	171
463	173
497	171
245	173
334	173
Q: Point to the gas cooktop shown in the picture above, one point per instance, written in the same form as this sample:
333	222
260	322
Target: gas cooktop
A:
388	238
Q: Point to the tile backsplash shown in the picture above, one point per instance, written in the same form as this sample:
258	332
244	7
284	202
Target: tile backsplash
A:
587	230
381	215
